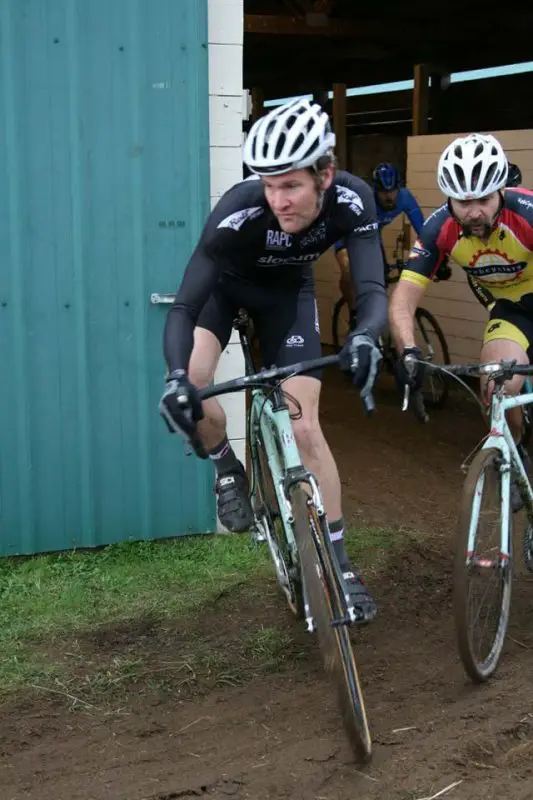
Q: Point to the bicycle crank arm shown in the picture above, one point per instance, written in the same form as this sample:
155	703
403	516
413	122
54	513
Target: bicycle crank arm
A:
336	623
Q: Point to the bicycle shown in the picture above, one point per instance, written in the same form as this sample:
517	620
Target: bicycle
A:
497	458
290	517
435	389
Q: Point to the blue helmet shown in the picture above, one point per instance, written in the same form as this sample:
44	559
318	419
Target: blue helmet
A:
386	177
514	175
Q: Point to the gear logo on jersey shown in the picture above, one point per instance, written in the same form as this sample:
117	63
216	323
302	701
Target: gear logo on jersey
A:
236	220
495	268
278	240
351	198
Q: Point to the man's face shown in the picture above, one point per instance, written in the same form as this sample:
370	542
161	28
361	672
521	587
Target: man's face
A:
477	216
294	197
387	200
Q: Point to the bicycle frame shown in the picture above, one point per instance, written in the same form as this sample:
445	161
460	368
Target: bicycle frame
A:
269	415
500	437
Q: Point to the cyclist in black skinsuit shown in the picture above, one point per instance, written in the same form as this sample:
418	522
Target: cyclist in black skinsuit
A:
257	252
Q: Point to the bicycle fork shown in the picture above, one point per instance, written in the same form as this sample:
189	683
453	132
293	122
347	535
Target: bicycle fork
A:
345	615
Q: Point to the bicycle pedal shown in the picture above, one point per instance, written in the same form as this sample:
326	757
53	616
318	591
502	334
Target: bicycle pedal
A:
258	535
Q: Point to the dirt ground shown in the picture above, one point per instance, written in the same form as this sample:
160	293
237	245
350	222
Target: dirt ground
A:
278	734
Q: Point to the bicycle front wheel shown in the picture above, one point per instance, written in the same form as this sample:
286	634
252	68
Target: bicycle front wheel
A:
431	340
325	607
271	523
482	567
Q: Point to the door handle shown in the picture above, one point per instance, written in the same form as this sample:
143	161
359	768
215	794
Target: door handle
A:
157	299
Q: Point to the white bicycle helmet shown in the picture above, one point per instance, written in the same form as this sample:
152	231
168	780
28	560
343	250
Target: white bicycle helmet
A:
472	167
292	136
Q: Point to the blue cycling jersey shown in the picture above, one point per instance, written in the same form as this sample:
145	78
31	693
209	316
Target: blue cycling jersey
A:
405	204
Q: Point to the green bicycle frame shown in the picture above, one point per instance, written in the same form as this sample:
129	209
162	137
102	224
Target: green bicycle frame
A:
500	437
270	417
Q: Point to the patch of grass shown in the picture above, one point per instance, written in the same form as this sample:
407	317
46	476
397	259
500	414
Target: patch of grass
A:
269	647
56	595
47	601
370	548
20	666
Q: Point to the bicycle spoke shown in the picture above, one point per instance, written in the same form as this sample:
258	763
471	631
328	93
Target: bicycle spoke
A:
482	579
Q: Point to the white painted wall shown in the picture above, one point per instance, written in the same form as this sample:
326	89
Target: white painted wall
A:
226	106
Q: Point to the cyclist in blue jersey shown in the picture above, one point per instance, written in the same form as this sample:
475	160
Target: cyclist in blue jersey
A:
392	199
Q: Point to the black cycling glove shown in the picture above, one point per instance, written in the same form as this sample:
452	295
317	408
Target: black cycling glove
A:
180	406
409	371
361	357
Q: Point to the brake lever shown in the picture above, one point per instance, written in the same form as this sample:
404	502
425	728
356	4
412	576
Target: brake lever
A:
406	392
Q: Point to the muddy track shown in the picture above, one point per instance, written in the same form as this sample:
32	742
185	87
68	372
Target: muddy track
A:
243	727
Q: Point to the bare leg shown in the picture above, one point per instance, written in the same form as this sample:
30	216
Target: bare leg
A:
202	366
314	449
233	503
318	458
506	349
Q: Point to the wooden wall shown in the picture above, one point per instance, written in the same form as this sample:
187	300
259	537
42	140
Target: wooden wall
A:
364	152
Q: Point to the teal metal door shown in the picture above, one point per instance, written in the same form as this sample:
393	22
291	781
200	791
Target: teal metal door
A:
104	186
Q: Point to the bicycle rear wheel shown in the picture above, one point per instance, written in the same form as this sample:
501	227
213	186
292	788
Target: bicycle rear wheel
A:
431	340
325	607
482	510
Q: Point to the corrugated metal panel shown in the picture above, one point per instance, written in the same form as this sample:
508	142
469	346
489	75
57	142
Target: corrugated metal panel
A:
104	186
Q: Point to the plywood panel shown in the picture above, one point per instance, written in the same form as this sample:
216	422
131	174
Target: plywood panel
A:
463	351
521	140
461	328
458	310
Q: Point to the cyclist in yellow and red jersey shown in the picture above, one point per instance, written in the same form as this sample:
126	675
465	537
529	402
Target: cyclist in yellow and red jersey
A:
487	230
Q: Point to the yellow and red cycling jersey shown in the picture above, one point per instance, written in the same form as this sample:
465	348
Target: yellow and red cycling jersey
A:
502	267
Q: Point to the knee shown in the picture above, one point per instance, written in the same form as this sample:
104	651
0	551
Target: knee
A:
200	375
202	367
512	388
308	435
204	358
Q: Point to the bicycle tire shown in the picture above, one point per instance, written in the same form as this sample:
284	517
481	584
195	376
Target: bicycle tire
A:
479	671
269	512
430	401
325	605
527	415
